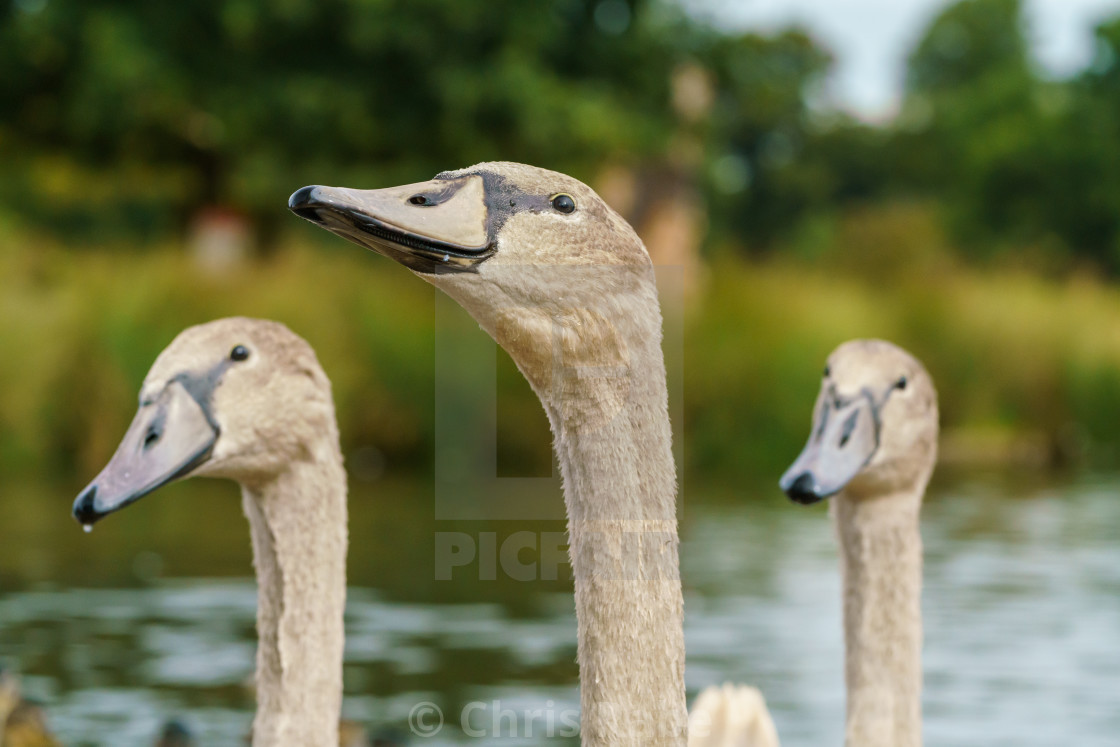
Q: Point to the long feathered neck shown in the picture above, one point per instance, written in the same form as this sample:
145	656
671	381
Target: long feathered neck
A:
613	442
881	557
591	350
298	524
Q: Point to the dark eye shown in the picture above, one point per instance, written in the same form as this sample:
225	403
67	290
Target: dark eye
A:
419	200
563	203
239	353
901	383
827	372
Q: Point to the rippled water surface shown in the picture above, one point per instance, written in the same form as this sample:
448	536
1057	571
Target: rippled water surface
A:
152	616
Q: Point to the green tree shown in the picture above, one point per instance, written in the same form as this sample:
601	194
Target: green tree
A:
758	178
244	100
1018	160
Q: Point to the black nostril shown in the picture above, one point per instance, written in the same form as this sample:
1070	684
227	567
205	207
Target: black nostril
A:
803	490
848	427
152	437
421	200
84	510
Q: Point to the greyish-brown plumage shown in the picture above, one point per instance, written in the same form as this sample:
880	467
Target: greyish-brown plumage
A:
872	448
566	287
246	399
22	723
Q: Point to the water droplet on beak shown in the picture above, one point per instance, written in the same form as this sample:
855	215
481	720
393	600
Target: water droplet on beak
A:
446	257
87	528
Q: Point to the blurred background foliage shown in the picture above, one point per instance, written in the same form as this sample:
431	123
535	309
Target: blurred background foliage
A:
149	149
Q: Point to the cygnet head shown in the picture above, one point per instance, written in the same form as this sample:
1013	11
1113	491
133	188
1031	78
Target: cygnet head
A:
238	398
477	219
874	429
539	260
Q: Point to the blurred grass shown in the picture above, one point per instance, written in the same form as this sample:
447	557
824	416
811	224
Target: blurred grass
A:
80	330
1028	367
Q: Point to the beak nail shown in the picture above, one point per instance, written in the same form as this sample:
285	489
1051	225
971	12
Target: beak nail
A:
84	510
300	197
803	489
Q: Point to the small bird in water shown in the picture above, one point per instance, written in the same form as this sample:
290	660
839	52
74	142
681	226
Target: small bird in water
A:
175	734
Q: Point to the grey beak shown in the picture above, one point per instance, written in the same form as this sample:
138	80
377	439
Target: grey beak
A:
169	437
845	437
436	226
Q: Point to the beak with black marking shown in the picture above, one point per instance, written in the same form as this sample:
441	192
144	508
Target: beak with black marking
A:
171	435
844	439
437	226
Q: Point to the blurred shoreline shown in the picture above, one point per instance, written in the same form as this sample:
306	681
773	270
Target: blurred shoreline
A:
1028	367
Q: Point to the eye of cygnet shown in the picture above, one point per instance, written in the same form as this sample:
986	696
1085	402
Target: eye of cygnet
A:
563	203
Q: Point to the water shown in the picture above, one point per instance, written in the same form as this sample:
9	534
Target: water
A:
152	617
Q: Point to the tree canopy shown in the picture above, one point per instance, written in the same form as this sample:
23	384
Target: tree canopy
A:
126	116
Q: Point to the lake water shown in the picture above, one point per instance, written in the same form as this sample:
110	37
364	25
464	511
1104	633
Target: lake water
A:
152	616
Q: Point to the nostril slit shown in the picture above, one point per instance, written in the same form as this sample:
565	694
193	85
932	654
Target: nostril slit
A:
419	200
848	428
151	438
